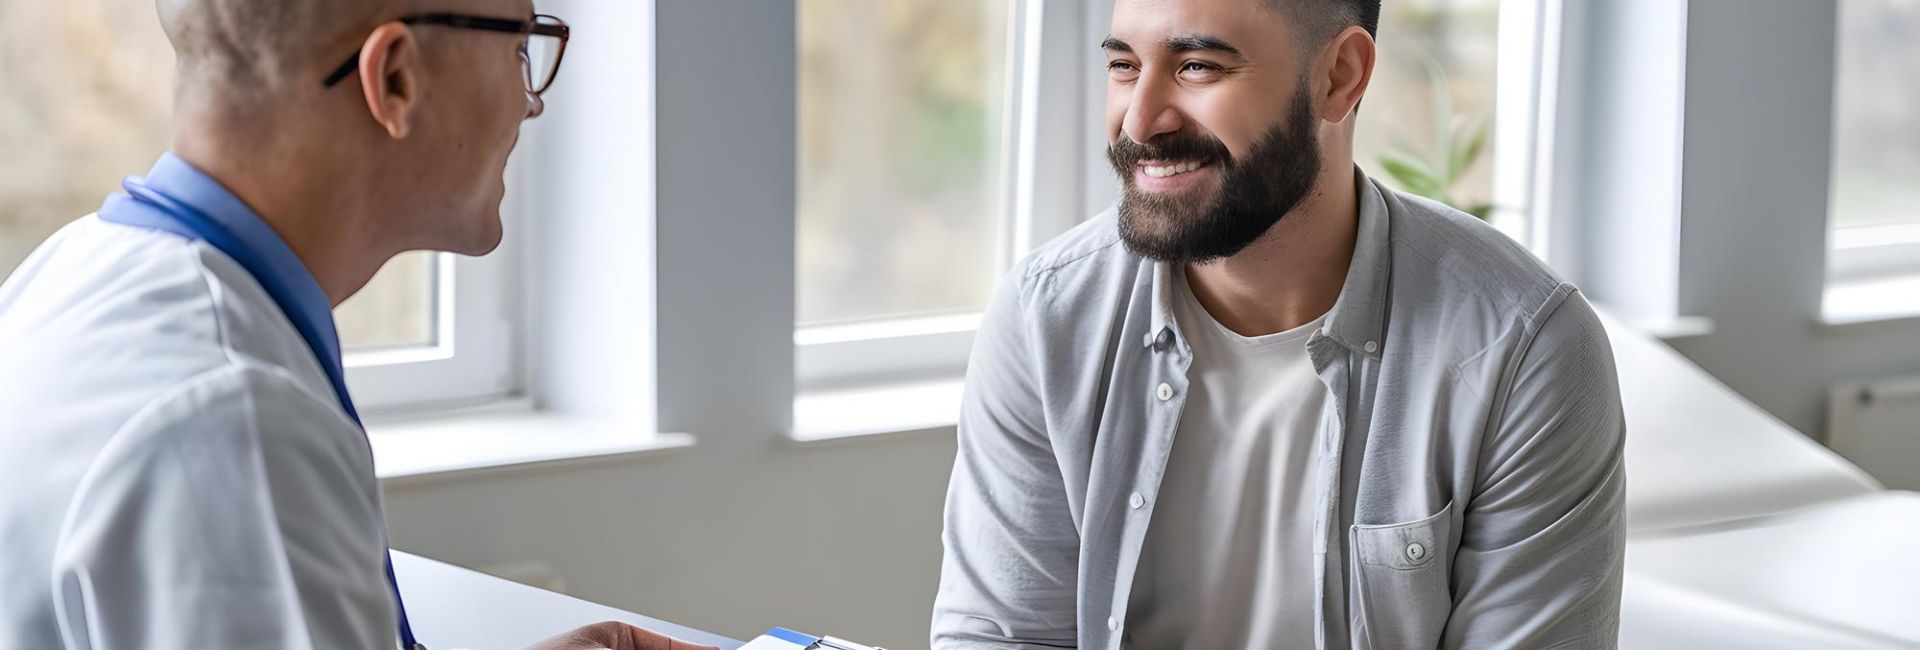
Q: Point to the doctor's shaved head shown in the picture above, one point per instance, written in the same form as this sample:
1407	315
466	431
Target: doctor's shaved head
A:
246	49
414	130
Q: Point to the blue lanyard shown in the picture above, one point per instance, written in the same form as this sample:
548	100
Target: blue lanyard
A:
171	215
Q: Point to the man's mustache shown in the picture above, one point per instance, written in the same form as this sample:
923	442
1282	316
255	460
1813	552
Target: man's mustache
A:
1179	145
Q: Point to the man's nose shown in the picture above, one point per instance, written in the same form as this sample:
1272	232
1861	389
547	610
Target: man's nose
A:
535	106
1150	114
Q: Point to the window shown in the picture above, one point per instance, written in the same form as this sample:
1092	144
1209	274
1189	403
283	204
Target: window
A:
395	310
89	96
1876	141
899	237
1875	204
1428	121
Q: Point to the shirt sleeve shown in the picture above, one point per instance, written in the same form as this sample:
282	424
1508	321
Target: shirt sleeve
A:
1009	573
237	511
1543	548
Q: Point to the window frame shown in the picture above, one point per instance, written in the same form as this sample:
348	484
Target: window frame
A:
1872	273
1870	253
1526	83
1038	139
474	354
1871	269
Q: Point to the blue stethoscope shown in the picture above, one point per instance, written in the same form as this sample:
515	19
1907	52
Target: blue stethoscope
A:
177	217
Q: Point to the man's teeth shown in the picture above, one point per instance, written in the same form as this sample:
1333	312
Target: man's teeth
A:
1163	171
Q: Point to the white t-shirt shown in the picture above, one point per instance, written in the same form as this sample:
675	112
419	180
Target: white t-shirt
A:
1228	559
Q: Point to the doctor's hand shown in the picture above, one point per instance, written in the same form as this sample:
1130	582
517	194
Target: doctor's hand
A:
613	635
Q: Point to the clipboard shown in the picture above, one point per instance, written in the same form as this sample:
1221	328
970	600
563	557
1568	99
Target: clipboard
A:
781	638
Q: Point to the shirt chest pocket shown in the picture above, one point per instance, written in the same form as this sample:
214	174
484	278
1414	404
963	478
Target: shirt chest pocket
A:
1400	576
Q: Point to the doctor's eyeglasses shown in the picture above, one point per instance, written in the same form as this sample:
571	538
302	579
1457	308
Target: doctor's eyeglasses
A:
544	42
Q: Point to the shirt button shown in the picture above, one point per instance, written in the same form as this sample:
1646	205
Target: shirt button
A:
1113	625
1416	552
1165	392
1137	501
1372	346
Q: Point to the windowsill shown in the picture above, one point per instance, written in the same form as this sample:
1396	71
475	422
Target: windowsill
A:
506	437
877	411
1871	301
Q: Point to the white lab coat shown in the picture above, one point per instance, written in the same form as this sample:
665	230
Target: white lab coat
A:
175	470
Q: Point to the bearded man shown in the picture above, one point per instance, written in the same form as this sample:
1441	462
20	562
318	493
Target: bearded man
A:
1267	402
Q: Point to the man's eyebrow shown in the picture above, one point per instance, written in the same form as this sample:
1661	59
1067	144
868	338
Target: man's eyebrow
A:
1115	45
1198	42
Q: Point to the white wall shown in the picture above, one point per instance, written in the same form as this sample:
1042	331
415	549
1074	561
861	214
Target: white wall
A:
1758	138
734	536
1615	145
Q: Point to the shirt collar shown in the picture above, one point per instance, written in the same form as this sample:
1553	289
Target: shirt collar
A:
1163	321
1358	318
304	299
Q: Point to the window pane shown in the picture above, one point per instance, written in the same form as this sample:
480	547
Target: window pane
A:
1876	138
899	156
88	101
1428	46
395	309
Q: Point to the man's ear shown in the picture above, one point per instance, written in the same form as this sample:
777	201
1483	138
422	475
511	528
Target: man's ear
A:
1342	74
389	77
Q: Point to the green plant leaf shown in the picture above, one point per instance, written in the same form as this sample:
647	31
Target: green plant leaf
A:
1414	175
1471	140
1483	211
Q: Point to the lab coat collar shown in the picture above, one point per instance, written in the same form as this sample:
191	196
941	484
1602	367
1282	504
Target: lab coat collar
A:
256	247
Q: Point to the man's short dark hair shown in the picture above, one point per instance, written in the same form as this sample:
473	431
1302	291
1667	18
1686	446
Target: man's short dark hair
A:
1324	18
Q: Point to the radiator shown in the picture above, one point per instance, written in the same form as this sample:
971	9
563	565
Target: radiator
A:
1876	425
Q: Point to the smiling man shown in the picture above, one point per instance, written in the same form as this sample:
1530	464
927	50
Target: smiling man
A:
1266	402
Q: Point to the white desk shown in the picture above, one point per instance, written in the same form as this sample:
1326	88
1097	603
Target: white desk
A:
453	608
1842	572
1744	534
1699	453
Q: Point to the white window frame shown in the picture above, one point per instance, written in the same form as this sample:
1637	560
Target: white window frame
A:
1872	253
1047	46
901	350
1873	272
1530	39
473	356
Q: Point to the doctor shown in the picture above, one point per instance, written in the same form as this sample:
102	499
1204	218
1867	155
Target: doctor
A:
184	467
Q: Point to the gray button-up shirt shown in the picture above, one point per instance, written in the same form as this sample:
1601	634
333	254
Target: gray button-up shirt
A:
1471	486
